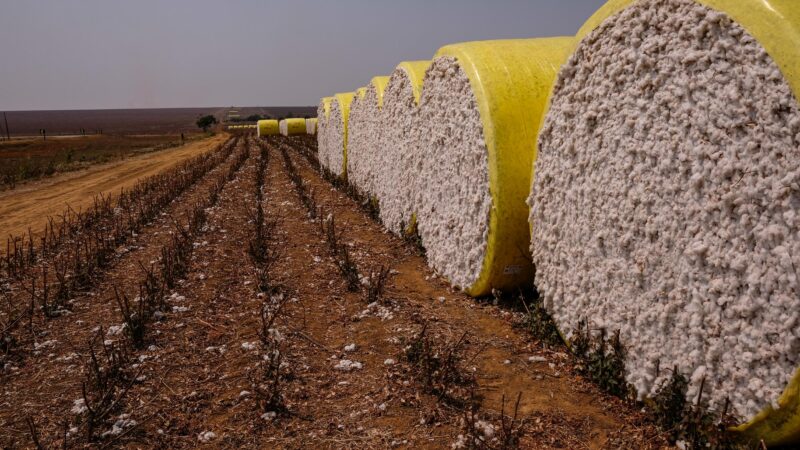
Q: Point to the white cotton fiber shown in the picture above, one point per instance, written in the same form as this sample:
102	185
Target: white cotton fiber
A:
311	126
363	137
396	165
336	128
665	201
323	111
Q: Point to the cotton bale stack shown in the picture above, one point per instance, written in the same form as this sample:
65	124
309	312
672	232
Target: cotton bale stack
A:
395	162
665	199
311	126
476	130
292	127
363	135
323	112
336	129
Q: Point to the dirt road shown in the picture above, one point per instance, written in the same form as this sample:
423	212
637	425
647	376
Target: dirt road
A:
31	204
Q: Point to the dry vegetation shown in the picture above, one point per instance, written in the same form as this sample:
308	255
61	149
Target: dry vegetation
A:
243	300
26	159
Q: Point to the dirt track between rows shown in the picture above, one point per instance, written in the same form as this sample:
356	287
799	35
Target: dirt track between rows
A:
29	205
197	379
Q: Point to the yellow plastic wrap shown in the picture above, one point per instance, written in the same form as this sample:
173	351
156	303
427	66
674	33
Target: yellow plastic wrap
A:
380	86
311	126
415	70
291	127
511	80
266	127
775	24
326	103
343	100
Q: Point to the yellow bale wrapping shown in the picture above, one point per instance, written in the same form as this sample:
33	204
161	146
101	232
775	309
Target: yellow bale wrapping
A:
477	153
291	127
267	127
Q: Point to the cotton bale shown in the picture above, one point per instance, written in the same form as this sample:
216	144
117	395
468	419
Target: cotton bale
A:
323	112
337	133
476	133
293	126
396	164
311	126
665	199
363	135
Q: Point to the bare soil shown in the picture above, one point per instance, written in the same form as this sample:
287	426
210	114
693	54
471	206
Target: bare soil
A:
198	375
29	205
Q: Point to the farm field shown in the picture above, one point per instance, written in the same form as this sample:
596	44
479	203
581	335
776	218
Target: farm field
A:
243	300
22	160
29	204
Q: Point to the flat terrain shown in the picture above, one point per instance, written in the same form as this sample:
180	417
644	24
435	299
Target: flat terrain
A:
283	352
29	205
25	159
130	121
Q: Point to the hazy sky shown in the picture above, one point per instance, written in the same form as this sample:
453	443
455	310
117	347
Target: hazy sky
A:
58	54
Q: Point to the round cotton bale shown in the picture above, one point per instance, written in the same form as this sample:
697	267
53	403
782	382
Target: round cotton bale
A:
476	133
363	135
311	126
666	193
395	166
323	111
337	133
291	127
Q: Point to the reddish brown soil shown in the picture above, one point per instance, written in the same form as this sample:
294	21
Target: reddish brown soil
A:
29	205
196	370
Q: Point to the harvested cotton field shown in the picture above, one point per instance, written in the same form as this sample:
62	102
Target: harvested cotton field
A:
665	201
248	328
364	136
578	242
396	164
336	129
475	140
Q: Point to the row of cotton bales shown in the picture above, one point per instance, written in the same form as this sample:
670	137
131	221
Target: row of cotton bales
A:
286	127
647	168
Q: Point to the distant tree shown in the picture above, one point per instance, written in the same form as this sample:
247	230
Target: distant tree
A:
206	122
253	118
